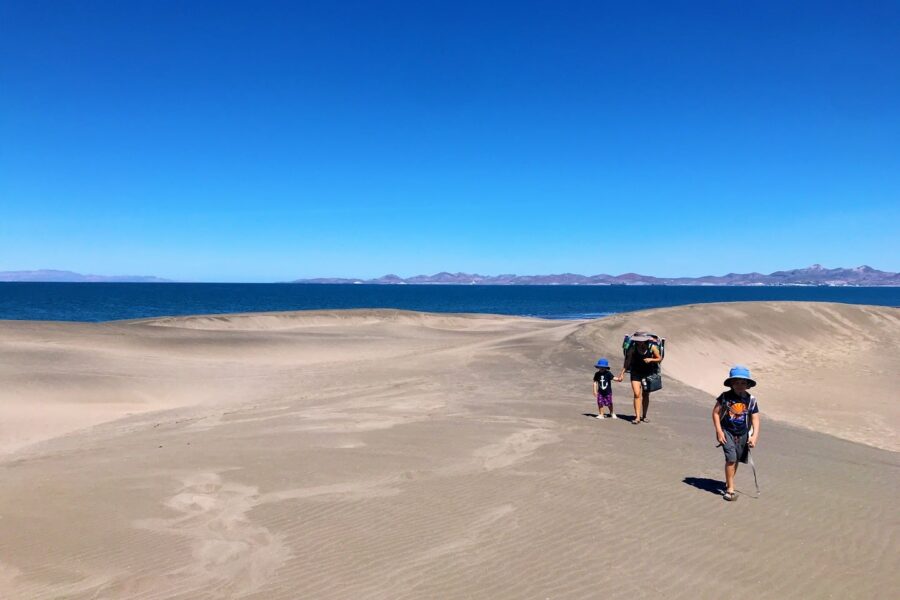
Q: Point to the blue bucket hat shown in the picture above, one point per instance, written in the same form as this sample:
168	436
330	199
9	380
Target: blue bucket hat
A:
739	372
602	363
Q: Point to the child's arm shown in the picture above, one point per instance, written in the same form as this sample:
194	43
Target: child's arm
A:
754	419
717	422
596	389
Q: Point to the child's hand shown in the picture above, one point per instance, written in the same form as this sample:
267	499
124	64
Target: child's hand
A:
617	378
720	437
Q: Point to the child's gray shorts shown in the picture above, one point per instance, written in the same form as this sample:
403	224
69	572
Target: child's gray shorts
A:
735	447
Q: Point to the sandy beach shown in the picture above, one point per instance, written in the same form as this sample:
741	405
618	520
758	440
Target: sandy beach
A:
391	454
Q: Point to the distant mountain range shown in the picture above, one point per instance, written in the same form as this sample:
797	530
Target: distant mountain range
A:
814	275
50	275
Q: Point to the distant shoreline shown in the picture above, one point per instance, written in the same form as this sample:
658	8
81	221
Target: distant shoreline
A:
491	285
812	276
631	285
485	285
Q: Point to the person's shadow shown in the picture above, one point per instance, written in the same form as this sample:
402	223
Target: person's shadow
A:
621	417
713	486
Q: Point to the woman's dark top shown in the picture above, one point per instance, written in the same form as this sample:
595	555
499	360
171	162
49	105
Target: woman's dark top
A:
634	362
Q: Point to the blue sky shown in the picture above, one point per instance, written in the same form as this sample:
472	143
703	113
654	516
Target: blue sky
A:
258	141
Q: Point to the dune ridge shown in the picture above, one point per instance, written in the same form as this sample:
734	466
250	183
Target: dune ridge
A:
821	366
386	454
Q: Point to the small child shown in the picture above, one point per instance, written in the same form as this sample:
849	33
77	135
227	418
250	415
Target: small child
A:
736	418
603	379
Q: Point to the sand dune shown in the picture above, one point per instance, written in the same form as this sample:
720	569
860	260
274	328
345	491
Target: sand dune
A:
60	377
822	366
388	454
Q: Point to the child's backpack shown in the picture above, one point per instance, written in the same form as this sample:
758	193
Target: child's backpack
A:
655	340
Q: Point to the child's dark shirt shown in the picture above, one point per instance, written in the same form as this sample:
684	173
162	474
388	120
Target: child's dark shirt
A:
604	379
735	412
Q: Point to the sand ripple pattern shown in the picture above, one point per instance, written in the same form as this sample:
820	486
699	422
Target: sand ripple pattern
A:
380	455
232	556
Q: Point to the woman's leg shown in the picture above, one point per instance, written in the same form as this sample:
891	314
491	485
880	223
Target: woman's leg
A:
638	393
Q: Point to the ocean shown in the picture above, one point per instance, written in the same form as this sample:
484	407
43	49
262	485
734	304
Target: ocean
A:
112	301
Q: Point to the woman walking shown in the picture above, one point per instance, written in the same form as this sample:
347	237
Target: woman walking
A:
642	359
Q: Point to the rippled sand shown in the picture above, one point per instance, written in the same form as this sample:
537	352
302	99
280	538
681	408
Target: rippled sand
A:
390	454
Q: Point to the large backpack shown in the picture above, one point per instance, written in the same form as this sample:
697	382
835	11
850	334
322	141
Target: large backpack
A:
657	341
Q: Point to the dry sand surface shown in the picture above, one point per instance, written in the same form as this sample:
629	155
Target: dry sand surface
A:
388	454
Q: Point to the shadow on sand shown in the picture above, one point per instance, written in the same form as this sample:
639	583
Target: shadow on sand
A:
620	417
713	486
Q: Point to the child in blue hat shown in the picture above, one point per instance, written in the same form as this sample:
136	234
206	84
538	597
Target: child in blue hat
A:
603	379
736	418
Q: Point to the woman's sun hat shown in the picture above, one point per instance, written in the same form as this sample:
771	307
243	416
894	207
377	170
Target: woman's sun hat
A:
739	372
602	363
641	336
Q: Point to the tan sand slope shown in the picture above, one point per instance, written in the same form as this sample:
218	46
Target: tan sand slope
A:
827	367
60	377
382	454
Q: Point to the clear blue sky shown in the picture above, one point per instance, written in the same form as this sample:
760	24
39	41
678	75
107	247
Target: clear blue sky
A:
257	141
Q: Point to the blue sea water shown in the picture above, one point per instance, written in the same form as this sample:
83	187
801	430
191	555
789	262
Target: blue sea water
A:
111	301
